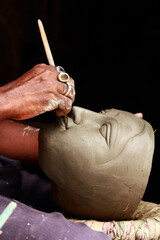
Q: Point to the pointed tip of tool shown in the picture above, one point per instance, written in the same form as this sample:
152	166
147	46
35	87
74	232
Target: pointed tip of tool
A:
39	21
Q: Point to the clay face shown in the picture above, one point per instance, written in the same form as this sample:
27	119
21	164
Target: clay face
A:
100	162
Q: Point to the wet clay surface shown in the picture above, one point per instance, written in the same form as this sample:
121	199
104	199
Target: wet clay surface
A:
99	162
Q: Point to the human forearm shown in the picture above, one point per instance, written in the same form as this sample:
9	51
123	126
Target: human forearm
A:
5	104
18	141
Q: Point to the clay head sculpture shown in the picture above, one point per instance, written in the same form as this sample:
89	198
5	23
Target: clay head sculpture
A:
100	162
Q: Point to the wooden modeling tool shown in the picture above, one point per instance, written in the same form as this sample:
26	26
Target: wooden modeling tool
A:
45	43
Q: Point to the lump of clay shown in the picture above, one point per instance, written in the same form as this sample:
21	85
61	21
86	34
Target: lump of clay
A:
99	162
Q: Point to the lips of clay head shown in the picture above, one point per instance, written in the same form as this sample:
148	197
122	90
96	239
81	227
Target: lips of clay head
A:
99	162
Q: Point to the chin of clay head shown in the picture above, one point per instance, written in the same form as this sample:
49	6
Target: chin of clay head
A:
99	162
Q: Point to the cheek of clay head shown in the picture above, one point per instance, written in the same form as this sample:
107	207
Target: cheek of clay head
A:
100	166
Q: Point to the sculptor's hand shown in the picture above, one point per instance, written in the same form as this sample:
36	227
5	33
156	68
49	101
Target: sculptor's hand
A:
36	92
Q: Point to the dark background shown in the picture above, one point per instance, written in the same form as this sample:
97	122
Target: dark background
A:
112	51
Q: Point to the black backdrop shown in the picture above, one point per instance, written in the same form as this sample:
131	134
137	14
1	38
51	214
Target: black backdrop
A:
112	51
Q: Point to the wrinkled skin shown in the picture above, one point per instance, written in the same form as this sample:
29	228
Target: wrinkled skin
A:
99	162
36	92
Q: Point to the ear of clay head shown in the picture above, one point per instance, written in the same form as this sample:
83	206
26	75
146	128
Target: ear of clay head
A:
99	162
